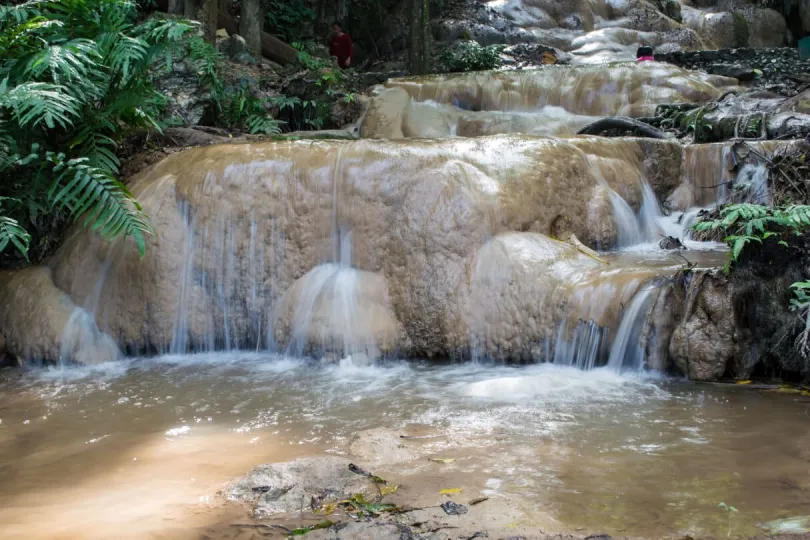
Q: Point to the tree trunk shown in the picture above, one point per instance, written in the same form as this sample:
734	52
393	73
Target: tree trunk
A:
208	18
419	37
342	11
272	47
250	26
176	7
191	9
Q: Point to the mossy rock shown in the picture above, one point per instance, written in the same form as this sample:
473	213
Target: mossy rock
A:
741	33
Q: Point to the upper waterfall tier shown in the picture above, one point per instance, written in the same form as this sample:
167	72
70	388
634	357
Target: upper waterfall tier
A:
555	100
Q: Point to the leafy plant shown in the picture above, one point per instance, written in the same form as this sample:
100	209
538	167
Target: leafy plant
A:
729	511
748	222
240	108
289	19
470	56
322	70
801	303
74	78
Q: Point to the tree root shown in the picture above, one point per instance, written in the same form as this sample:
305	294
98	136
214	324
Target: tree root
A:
623	124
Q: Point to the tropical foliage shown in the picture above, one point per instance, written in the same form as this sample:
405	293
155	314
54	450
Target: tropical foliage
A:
470	56
745	223
74	78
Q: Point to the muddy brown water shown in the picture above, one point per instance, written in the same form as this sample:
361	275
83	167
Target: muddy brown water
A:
139	448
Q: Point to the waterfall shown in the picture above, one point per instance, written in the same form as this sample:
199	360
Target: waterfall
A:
627	222
83	343
627	352
582	350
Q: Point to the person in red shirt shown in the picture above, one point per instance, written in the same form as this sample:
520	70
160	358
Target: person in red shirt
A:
341	46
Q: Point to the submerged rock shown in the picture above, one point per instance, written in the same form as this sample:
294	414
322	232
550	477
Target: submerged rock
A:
707	338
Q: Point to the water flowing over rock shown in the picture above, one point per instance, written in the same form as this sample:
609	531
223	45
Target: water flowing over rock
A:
491	239
555	100
362	248
242	230
40	321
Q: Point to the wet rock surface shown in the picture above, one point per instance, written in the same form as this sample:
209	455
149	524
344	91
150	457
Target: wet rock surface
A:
292	486
778	70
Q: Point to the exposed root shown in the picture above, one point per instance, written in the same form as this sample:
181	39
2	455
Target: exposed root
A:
621	126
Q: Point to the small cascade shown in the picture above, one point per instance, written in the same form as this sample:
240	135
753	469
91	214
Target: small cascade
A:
627	351
582	349
83	343
630	232
753	178
328	298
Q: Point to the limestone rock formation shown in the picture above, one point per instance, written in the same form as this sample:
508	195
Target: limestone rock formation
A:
272	244
550	101
707	339
40	322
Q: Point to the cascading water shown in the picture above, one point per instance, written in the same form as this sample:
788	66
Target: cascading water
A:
83	343
365	248
627	351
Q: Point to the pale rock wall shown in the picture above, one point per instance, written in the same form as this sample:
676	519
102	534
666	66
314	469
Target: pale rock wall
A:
239	226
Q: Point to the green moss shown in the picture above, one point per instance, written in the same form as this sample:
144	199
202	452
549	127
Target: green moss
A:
741	34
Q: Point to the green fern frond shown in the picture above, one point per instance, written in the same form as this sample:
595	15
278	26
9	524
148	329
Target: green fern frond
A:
158	30
127	52
259	124
97	147
35	103
11	232
109	208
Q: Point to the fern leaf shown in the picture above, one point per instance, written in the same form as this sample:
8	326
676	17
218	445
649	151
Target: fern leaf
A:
127	52
107	205
36	103
11	232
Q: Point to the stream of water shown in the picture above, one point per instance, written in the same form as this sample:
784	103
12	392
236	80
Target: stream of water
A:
139	445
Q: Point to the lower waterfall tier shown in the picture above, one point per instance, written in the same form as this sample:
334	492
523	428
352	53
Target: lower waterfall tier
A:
367	248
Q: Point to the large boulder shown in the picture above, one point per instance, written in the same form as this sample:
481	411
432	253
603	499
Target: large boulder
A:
707	339
41	322
744	27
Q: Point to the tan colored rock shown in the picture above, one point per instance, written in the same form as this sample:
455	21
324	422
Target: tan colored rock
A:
748	27
277	488
383	118
716	28
707	337
637	89
509	303
766	27
665	315
41	322
337	308
238	226
799	103
380	447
